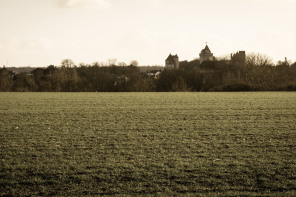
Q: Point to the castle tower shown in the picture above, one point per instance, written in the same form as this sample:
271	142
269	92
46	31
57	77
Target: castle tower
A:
206	55
172	62
239	58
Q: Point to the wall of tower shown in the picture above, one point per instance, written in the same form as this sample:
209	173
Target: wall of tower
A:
176	63
169	65
206	57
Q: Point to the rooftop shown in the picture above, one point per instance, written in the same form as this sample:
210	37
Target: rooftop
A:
206	50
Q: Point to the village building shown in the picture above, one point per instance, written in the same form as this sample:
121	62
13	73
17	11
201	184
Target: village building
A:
154	74
119	80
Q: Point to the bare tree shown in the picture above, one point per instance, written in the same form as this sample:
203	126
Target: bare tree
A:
111	61
68	63
286	62
121	64
257	59
134	63
6	80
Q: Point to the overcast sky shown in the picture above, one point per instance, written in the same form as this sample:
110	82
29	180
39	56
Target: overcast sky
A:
43	32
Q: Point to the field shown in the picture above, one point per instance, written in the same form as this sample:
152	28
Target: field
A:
202	144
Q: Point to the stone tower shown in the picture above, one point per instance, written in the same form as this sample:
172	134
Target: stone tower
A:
172	62
239	58
206	55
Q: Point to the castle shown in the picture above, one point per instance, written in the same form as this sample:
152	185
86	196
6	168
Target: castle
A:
172	62
239	58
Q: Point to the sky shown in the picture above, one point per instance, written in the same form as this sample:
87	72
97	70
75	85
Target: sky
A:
44	32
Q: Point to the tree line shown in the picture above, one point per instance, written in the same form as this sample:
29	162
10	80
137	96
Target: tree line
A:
258	73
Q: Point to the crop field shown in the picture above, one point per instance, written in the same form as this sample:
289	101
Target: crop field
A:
163	144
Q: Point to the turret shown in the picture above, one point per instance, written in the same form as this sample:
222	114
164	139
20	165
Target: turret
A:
206	55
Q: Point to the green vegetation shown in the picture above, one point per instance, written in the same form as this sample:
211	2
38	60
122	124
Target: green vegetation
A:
203	144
